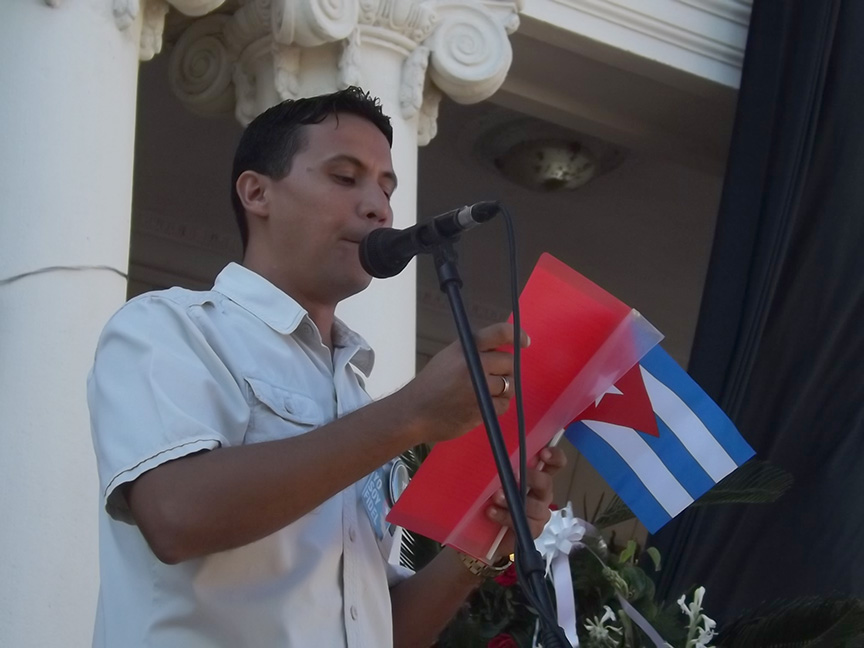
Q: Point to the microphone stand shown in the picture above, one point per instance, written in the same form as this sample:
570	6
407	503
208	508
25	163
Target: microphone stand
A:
529	559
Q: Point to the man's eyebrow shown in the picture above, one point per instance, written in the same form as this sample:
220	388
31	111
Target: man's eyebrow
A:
390	175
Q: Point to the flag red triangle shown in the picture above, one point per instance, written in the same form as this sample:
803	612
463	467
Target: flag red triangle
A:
631	408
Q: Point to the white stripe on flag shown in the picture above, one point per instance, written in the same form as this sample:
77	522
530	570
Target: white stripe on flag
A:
685	425
645	464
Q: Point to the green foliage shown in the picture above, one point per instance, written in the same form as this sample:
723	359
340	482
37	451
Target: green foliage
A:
616	511
756	482
492	610
654	555
802	623
629	552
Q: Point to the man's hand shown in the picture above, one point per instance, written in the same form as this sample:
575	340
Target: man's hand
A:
442	396
424	603
537	503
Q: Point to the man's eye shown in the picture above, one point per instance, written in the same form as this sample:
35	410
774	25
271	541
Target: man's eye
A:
348	180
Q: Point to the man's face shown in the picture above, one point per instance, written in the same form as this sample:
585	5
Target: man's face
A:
338	190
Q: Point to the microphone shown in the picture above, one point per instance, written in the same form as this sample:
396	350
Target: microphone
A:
385	252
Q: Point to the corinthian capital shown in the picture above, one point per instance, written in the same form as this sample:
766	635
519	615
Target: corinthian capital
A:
153	14
268	50
309	23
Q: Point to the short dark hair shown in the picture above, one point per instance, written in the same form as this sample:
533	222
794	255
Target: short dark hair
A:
273	138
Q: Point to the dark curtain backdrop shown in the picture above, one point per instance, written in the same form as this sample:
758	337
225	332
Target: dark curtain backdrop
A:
780	339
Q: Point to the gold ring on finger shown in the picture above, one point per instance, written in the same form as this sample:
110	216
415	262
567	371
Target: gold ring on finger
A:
506	387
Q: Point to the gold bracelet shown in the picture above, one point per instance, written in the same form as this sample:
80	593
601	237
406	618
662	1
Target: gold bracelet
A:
481	569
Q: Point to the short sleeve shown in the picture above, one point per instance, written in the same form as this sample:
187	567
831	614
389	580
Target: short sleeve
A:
157	392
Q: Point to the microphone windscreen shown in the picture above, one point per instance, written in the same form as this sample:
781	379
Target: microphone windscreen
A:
374	256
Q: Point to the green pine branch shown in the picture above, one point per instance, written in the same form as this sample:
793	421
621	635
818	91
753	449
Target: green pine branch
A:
756	482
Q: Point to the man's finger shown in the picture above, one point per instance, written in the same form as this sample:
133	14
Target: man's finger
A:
539	484
537	514
500	386
497	362
498	335
553	459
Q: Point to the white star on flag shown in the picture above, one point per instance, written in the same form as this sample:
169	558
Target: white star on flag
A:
612	390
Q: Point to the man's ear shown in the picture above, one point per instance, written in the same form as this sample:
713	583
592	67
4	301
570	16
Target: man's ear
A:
252	189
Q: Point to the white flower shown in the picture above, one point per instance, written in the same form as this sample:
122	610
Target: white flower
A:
697	636
601	633
706	632
695	608
608	614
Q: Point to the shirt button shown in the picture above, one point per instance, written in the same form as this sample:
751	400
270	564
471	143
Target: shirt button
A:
352	534
354	613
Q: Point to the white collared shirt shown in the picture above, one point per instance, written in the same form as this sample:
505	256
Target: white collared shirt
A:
178	372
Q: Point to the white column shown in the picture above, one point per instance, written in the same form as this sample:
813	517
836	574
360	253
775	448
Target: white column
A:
386	313
69	79
271	50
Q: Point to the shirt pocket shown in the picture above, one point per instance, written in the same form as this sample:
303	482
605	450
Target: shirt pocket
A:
279	413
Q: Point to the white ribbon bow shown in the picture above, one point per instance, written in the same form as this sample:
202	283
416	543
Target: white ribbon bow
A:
562	534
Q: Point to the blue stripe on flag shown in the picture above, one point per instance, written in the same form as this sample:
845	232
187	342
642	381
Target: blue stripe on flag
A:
666	370
678	460
618	475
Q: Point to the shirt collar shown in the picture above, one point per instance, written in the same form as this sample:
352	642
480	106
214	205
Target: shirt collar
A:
279	311
362	357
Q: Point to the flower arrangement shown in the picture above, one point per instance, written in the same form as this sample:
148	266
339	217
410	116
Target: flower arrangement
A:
615	599
612	585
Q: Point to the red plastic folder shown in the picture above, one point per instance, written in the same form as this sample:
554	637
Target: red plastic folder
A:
583	340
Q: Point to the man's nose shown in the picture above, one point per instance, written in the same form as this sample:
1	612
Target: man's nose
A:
376	207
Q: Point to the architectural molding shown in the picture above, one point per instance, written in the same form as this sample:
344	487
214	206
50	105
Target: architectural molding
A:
705	39
183	232
737	11
625	15
256	56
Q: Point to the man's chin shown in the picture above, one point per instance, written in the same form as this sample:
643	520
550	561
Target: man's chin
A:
359	284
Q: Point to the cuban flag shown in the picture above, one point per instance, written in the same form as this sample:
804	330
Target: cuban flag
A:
658	440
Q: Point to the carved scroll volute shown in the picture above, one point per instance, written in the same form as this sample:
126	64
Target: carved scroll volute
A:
470	53
201	67
310	23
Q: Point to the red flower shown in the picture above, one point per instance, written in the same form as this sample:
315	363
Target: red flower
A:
502	641
507	578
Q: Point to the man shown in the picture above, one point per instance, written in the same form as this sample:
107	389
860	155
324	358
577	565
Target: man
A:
233	434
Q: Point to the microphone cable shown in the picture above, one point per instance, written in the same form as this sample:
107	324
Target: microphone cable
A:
552	634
